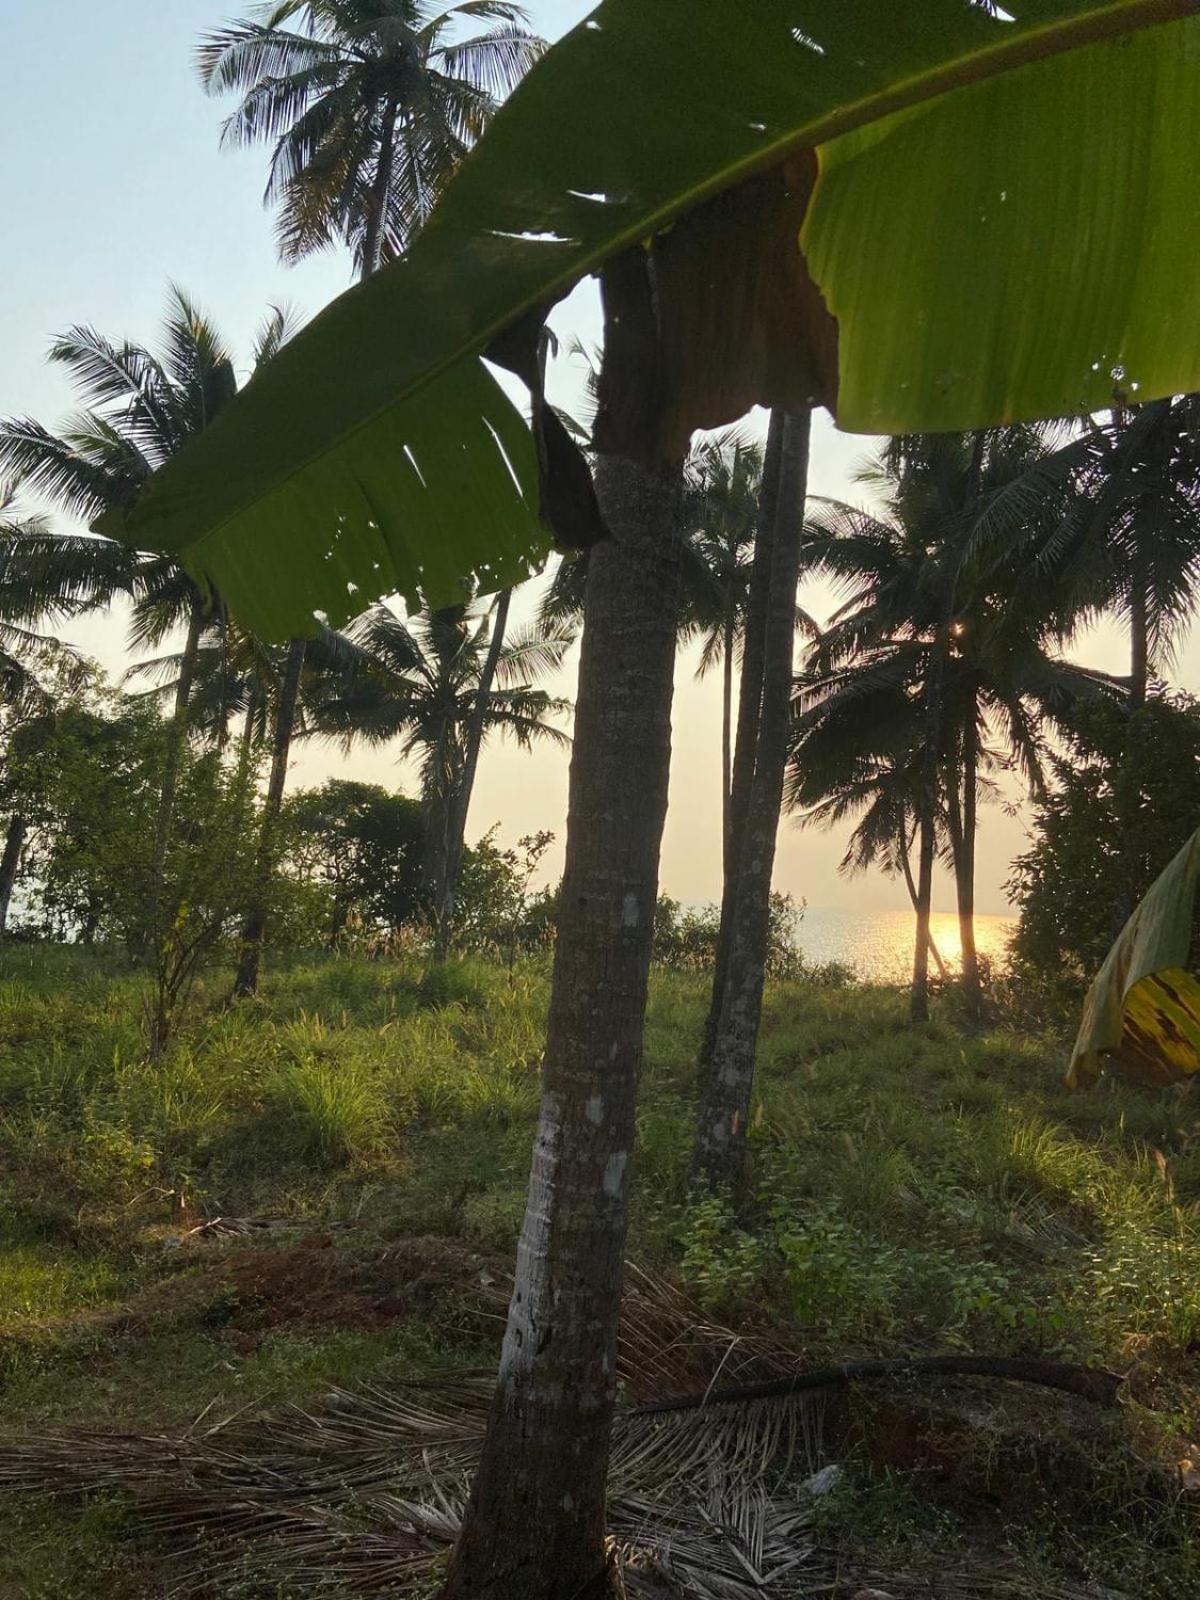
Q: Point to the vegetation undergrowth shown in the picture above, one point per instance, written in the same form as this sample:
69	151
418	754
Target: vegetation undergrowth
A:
912	1190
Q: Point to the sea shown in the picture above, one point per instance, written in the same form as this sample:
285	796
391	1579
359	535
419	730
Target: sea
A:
878	945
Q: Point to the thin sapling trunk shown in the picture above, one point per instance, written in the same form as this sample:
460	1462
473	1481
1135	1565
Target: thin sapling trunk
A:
254	929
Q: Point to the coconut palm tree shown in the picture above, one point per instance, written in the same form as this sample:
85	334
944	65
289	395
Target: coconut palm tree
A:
721	504
939	665
141	409
1129	541
1130	534
369	105
36	671
418	682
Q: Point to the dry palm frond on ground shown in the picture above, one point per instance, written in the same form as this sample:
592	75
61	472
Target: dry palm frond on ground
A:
713	1476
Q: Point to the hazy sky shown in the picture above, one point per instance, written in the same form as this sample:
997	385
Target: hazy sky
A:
113	184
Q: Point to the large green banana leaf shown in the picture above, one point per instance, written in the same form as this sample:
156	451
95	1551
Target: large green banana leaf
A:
1142	1014
998	223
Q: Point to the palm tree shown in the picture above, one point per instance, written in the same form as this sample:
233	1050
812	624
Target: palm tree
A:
419	682
756	792
722	489
943	643
1130	534
36	670
141	409
1129	541
369	105
872	779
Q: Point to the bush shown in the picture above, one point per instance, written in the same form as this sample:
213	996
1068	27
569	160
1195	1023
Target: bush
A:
685	939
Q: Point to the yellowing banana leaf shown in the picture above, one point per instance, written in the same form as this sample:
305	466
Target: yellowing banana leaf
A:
1141	1018
642	116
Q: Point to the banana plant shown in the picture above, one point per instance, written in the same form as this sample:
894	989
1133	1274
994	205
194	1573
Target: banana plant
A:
929	217
1141	1018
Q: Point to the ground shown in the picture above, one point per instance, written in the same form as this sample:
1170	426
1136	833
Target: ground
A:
913	1191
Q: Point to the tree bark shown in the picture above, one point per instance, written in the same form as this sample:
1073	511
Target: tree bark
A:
1128	779
1139	645
720	1147
727	748
380	189
964	867
535	1525
919	1004
10	863
460	803
254	929
749	707
906	869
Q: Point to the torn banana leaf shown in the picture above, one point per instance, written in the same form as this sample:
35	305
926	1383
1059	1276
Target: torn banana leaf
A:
1003	224
1141	1018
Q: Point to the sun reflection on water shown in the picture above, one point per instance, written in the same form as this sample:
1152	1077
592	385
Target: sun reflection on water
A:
879	944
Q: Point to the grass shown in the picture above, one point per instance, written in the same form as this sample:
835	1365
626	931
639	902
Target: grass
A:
912	1190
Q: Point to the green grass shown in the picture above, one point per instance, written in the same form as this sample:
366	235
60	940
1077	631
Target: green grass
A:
912	1190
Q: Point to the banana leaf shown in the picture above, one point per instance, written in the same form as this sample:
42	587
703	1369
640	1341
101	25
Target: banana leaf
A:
1001	223
1141	1018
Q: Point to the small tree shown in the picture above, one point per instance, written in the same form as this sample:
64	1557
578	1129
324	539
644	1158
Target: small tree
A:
365	844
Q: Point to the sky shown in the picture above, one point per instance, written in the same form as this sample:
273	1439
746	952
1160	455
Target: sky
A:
114	185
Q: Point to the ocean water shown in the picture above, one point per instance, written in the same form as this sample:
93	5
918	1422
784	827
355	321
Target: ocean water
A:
879	944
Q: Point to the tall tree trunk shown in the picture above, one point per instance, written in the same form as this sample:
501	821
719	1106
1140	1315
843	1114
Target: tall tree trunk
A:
1139	643
460	804
919	1004
721	1133
727	749
10	862
964	866
245	756
749	708
380	189
1128	780
910	885
535	1524
927	811
254	929
176	742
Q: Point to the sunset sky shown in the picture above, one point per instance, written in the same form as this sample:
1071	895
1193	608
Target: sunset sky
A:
114	185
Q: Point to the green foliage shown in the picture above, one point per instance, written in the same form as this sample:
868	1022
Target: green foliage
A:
364	844
685	938
496	910
911	1190
1070	886
402	70
385	392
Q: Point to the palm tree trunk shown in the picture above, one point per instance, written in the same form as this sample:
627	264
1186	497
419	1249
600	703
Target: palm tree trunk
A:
727	749
919	1005
380	189
10	863
1127	781
749	709
245	758
906	869
1139	642
964	866
176	741
254	929
460	804
534	1528
721	1132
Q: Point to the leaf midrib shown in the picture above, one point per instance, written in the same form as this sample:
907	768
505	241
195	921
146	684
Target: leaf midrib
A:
1037	42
